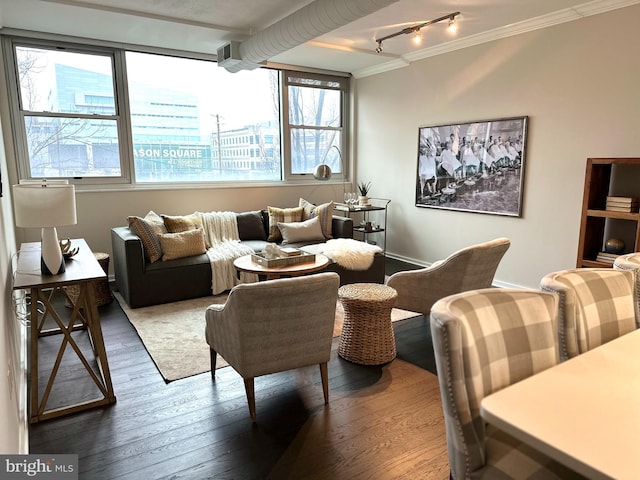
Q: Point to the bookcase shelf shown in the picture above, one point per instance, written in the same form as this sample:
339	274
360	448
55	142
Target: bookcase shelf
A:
606	177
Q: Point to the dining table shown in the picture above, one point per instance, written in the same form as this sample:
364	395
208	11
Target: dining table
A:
583	412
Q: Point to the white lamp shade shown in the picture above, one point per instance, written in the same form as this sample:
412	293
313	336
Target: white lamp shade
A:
44	205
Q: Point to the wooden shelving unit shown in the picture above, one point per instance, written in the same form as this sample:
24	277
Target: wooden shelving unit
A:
608	177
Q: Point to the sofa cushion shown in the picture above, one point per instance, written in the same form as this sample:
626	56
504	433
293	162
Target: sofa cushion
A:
181	223
285	215
251	226
323	211
306	231
182	244
148	229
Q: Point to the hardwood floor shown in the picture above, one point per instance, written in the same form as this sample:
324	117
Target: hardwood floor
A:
381	422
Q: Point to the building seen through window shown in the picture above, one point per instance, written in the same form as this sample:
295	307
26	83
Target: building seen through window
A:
177	120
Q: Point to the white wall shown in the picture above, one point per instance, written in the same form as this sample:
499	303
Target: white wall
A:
13	432
579	85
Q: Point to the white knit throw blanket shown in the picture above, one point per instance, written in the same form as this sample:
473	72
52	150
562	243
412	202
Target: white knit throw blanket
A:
349	253
221	232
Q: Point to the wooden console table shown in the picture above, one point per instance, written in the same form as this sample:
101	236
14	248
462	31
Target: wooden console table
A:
81	271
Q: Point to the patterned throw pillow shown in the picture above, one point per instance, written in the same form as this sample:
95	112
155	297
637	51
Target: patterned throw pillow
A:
182	244
324	211
148	229
281	215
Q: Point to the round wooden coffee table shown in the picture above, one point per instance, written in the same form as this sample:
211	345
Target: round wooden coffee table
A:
245	264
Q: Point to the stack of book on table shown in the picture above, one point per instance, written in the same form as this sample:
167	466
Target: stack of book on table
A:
622	204
606	257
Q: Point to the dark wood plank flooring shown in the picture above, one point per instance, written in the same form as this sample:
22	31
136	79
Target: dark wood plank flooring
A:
381	423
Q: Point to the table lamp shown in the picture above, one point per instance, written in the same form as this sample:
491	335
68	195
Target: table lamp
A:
47	205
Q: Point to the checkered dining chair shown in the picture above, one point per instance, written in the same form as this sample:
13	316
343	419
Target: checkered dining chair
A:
596	306
630	261
486	340
466	269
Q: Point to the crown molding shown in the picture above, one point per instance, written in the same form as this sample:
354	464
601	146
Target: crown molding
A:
595	7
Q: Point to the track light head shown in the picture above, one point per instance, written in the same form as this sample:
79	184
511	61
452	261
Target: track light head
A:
417	36
379	47
453	26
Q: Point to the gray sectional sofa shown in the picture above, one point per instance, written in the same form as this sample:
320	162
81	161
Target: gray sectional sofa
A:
142	283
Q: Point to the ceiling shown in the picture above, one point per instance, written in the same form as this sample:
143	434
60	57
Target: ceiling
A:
205	25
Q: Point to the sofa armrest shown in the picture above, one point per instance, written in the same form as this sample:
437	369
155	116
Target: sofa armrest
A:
128	260
341	227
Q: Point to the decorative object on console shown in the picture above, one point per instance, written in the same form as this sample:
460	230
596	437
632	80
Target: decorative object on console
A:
67	251
46	204
476	167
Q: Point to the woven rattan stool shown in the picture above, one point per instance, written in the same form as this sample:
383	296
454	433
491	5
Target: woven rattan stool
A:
101	288
367	334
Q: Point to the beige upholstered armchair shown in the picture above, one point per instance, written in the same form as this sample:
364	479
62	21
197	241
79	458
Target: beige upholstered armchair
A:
273	326
467	269
596	306
485	340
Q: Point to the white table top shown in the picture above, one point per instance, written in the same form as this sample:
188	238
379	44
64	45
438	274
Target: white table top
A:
584	412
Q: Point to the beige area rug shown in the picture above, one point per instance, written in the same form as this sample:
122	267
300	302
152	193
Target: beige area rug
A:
173	334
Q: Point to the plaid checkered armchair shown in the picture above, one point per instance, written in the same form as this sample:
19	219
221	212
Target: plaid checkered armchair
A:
596	306
630	261
273	326
485	340
467	269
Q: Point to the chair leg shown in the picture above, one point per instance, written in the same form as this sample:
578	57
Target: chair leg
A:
214	357
251	399
324	373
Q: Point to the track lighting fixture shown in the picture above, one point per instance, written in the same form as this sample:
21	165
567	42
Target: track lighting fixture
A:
415	30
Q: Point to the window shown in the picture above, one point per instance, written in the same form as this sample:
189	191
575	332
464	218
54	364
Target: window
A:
183	111
317	109
68	113
97	114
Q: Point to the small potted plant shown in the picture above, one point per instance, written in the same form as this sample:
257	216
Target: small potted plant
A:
363	188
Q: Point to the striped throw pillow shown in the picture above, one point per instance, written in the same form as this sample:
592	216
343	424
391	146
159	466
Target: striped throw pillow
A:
324	211
148	229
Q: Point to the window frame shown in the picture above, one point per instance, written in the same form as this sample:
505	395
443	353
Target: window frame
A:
19	113
287	128
122	116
